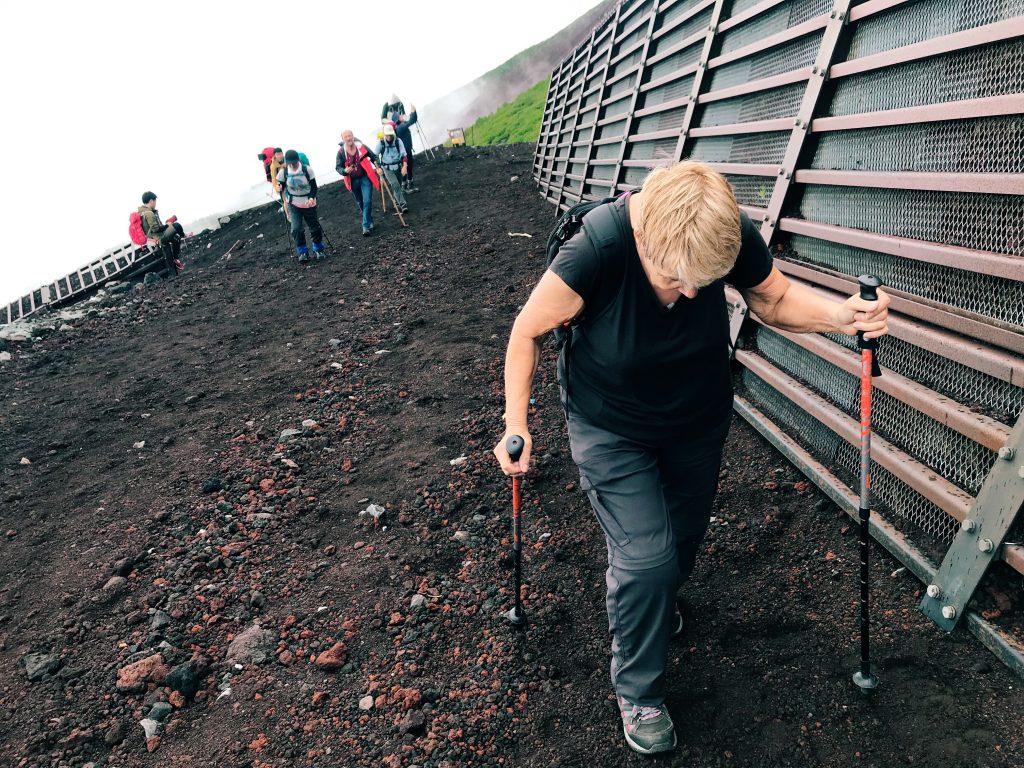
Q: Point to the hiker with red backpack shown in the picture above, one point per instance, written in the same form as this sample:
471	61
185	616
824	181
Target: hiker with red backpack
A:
647	393
299	183
144	226
267	157
356	164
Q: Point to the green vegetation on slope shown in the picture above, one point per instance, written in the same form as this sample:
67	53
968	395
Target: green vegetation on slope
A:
514	121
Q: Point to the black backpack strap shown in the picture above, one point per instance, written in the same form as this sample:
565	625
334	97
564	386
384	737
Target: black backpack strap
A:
606	233
605	228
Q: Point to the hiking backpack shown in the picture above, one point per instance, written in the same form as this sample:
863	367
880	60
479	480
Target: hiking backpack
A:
135	230
303	171
604	231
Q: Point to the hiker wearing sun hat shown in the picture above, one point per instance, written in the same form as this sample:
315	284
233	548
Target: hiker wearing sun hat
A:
394	161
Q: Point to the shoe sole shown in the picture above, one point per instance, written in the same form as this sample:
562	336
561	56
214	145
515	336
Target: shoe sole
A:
637	748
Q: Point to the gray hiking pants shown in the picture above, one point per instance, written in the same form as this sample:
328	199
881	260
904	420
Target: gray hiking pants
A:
395	181
653	502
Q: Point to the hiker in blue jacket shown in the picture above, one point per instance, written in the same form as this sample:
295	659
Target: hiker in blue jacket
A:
394	161
300	188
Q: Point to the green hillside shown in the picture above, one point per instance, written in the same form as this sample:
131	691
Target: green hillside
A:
514	121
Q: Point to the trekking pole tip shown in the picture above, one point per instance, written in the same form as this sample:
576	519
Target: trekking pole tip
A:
514	445
866	683
515	617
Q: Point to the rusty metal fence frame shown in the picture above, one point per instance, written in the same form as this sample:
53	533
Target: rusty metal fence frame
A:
862	135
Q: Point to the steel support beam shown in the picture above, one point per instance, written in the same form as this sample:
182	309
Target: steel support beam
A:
980	538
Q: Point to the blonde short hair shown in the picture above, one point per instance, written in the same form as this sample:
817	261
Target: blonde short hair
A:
690	223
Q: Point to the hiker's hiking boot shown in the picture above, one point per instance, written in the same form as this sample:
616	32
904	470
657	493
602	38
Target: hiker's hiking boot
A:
319	253
648	730
366	232
179	264
303	258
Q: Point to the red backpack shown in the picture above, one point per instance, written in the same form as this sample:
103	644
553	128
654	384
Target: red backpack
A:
135	230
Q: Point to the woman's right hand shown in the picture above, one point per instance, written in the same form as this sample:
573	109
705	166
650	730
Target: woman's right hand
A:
508	466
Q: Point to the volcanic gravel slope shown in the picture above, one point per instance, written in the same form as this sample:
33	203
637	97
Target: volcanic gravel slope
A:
127	573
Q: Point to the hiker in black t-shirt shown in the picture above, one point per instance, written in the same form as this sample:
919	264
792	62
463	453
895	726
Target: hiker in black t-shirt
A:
648	395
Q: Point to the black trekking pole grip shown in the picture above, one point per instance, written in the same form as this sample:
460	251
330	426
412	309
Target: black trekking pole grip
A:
515	445
869	285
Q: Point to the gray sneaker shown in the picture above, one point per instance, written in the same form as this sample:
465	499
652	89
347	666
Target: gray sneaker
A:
648	730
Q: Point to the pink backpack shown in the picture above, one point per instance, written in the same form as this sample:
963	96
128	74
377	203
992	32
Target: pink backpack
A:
135	230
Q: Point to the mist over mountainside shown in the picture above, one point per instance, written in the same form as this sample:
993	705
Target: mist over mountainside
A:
462	107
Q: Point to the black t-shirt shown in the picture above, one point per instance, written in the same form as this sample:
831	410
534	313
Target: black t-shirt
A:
637	368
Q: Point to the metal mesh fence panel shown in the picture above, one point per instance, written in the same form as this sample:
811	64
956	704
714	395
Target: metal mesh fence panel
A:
659	149
663	121
764	148
996	398
984	145
992	70
983	222
617	107
778	19
751	190
926	19
993	297
672	64
763	105
684	31
774	61
610	131
673	13
635	176
893	498
954	456
667	92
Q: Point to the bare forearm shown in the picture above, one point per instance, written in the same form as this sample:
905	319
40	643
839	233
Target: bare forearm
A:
800	310
521	360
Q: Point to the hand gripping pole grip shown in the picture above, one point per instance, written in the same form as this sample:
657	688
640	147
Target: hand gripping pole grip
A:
514	445
869	285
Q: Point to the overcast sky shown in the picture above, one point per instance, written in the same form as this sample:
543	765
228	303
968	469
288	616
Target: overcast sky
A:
106	100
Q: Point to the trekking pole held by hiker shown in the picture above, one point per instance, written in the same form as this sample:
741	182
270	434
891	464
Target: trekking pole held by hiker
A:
514	445
394	202
869	285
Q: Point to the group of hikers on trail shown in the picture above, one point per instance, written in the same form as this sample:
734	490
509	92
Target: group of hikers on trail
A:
364	171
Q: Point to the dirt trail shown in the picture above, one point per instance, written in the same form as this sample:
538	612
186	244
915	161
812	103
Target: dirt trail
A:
390	350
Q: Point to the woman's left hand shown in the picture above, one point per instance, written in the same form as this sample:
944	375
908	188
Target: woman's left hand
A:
871	317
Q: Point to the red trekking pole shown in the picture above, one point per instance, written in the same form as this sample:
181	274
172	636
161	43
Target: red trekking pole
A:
514	445
869	285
